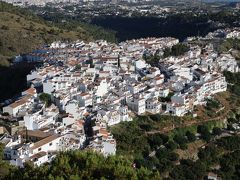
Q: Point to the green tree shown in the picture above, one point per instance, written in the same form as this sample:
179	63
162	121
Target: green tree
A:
5	168
155	140
176	50
209	155
190	136
180	139
205	134
216	131
171	145
230	143
78	67
188	170
46	98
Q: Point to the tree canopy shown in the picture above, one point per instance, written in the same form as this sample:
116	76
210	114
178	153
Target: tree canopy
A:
176	50
46	98
83	165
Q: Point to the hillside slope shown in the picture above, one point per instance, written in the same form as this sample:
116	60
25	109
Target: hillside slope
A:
19	35
22	31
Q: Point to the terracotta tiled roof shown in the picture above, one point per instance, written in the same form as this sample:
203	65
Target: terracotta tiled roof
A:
35	133
30	91
44	141
38	155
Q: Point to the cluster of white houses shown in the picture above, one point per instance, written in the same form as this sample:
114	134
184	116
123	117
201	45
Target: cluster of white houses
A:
107	83
228	33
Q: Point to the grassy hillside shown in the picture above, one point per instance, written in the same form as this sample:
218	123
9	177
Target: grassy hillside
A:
19	35
22	31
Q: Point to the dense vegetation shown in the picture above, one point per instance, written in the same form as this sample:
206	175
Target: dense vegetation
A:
212	104
159	151
179	26
232	45
153	150
229	44
5	168
176	50
234	82
79	165
69	23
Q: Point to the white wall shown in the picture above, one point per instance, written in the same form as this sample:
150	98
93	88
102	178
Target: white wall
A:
48	87
102	89
47	147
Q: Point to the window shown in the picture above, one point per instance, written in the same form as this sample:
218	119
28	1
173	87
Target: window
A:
39	149
50	144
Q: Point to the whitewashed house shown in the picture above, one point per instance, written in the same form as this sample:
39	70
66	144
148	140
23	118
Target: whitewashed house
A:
138	105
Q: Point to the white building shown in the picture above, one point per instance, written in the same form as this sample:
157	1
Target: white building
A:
138	105
153	105
85	99
36	121
15	107
176	109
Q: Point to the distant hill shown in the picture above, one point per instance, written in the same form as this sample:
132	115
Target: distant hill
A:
38	2
211	1
22	31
